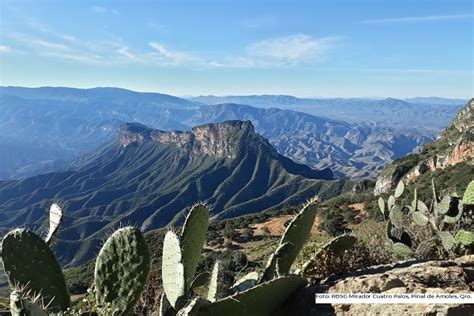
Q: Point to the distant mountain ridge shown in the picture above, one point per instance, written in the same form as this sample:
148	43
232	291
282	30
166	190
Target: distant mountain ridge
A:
350	150
150	178
389	112
67	122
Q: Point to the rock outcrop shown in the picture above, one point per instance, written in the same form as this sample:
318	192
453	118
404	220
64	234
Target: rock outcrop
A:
437	277
217	140
453	146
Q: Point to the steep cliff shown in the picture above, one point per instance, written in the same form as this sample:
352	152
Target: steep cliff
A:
455	145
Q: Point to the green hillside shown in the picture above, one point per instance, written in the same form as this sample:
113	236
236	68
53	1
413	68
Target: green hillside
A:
152	183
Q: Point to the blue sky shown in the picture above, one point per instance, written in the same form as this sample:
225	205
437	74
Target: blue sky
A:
328	48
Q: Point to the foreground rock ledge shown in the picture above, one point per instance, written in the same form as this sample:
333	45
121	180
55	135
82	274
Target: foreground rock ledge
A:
448	276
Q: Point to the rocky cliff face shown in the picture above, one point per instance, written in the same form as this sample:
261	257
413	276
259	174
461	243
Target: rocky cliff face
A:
453	146
436	277
218	140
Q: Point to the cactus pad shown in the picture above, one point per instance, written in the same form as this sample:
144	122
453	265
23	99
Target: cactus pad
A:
465	238
193	308
447	240
121	270
420	218
23	306
245	283
213	283
421	206
192	240
381	202
271	268
414	202
468	197
295	236
444	205
339	244
29	262
55	217
260	300
396	216
400	188
402	250
390	202
435	194
172	270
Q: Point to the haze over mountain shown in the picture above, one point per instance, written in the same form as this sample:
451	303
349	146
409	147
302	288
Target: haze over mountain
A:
149	178
67	122
431	114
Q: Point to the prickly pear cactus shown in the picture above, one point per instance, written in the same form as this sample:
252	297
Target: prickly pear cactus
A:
419	218
192	240
29	263
24	306
396	216
213	284
340	244
172	271
272	269
55	217
444	205
381	203
447	240
465	238
402	250
121	270
245	283
390	202
468	197
399	190
193	308
260	300
295	237
435	194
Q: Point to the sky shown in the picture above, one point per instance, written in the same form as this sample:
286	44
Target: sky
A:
352	48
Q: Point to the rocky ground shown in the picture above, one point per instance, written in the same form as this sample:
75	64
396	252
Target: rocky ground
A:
448	276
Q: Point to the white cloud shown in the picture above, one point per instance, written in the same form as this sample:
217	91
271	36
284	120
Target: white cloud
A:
166	56
426	18
55	49
124	51
5	49
290	50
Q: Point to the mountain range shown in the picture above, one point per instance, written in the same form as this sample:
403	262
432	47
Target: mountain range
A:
44	128
150	178
429	114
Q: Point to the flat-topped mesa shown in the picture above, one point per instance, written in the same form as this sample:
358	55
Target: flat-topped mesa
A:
215	139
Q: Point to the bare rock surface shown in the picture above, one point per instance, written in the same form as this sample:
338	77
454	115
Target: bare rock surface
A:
437	277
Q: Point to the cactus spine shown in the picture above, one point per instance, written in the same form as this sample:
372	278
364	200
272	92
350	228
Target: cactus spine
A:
21	305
